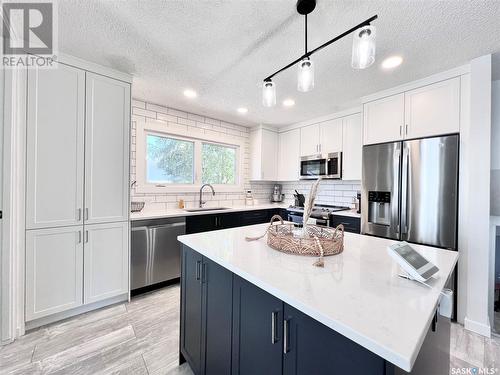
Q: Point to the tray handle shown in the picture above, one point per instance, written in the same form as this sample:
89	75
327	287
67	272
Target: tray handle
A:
276	217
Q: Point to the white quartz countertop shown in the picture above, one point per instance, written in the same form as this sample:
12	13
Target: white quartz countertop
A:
159	214
357	293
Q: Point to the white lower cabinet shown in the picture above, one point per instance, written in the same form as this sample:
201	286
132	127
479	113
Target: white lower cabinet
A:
54	270
106	261
68	267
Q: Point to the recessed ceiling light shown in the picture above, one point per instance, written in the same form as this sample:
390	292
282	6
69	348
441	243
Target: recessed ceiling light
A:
188	93
288	102
242	110
392	62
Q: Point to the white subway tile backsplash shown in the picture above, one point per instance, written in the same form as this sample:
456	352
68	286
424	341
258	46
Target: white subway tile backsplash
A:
330	192
212	121
157	108
333	192
196	125
143	112
186	121
165	117
138	104
177	113
192	116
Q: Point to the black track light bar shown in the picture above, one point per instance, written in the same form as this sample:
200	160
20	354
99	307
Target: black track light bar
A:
307	54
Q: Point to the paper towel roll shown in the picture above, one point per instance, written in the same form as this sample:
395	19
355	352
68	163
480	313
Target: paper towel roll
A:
446	303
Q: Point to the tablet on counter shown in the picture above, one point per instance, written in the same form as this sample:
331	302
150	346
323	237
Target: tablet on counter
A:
416	265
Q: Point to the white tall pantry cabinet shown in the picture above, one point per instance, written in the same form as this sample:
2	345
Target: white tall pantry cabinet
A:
77	189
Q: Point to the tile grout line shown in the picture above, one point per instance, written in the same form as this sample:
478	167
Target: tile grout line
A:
145	365
33	353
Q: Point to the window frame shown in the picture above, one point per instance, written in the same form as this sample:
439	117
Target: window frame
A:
198	136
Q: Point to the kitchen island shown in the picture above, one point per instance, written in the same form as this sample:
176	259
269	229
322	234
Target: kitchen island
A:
246	308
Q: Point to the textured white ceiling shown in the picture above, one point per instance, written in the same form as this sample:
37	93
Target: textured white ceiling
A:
223	49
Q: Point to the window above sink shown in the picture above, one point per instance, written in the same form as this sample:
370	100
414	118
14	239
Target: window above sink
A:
169	159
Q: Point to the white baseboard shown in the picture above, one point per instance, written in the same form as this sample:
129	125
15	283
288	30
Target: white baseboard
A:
479	328
76	311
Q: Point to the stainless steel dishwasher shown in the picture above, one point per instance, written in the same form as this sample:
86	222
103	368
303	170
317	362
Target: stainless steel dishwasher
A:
155	251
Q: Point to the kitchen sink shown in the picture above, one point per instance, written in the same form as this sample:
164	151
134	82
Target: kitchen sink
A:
205	209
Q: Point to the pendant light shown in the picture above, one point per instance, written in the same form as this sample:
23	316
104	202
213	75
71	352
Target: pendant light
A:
268	93
305	72
363	54
363	47
305	76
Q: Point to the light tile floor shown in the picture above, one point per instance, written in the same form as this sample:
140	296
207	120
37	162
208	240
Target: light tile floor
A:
142	337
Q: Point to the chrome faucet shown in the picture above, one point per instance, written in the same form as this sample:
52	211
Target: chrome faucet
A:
201	193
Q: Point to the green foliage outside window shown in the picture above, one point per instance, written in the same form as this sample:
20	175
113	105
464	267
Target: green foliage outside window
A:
169	160
218	164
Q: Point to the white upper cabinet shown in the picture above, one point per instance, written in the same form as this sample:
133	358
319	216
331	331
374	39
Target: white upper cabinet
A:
106	149
423	112
433	110
55	123
384	119
330	135
263	155
289	155
309	140
54	270
106	261
352	142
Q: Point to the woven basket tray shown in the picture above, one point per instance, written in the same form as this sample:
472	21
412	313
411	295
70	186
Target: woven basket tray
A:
287	239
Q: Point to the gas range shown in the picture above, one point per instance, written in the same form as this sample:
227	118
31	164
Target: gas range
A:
320	211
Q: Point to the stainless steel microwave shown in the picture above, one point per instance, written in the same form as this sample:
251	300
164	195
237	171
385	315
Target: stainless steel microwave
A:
327	166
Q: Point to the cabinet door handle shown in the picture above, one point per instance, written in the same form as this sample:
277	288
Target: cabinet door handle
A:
406	129
198	270
86	236
400	129
286	335
86	214
203	273
274	325
79	236
79	214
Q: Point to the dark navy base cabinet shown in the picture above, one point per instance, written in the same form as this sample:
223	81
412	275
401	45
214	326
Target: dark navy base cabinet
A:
312	348
206	314
208	222
351	224
230	326
257	330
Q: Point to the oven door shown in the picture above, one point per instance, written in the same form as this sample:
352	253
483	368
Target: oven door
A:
295	218
312	167
334	165
298	219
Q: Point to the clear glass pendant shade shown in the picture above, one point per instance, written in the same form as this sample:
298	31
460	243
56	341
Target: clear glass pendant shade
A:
363	47
268	94
305	75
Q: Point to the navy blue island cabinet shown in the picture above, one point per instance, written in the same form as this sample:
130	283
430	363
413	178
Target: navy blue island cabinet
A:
230	326
206	314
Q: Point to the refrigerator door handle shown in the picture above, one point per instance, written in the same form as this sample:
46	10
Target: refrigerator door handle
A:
404	191
395	209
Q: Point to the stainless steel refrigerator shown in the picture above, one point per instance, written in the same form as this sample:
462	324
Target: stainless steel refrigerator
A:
410	191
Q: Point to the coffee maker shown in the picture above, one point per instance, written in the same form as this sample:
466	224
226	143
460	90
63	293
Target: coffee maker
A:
277	196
